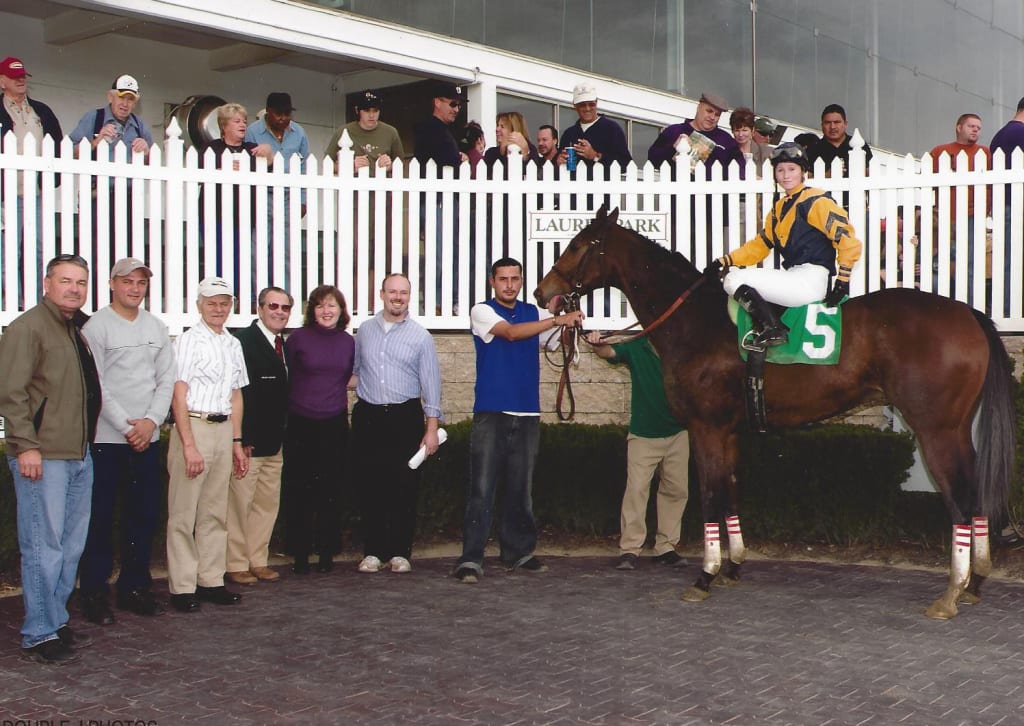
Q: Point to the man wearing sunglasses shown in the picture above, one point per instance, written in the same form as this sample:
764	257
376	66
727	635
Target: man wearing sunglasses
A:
254	499
135	358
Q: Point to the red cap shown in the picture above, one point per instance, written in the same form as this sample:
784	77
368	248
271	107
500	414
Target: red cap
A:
13	68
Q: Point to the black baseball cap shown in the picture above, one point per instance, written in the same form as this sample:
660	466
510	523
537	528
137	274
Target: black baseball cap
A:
280	102
368	99
444	89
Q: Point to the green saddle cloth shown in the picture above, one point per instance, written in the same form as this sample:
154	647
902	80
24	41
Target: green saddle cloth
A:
815	334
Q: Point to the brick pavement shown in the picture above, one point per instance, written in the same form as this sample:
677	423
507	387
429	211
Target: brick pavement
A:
798	643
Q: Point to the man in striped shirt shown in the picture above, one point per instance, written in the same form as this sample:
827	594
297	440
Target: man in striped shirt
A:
205	448
398	411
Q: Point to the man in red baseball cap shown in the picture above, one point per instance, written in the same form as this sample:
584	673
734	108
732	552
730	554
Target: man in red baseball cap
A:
24	116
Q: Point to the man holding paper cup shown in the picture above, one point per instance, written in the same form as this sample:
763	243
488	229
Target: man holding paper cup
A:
397	412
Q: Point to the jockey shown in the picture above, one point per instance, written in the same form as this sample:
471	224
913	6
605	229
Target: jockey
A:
810	231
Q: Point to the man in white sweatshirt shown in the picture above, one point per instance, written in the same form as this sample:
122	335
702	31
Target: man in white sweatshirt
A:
135	359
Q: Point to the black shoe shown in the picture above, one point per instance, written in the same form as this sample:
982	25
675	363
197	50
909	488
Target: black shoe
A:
671	559
325	563
301	566
50	652
466	575
185	602
217	595
73	639
96	609
626	561
140	602
531	565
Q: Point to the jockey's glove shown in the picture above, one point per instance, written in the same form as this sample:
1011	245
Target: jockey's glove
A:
840	289
714	270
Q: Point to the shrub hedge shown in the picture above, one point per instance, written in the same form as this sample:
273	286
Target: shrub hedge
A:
831	483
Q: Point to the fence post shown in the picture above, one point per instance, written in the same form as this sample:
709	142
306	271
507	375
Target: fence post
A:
174	250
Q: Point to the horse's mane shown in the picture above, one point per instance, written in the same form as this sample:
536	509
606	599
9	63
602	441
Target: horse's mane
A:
664	256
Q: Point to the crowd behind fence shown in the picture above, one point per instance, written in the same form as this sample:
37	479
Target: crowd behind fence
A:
329	224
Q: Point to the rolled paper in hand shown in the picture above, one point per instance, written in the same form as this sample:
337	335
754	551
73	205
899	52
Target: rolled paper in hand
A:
420	455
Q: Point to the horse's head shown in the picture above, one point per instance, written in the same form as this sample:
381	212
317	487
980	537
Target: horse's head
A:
581	268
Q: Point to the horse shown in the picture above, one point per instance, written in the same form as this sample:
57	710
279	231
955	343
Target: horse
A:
938	361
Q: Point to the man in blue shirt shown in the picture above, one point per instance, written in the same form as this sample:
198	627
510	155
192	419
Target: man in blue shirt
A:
116	121
277	133
595	137
506	422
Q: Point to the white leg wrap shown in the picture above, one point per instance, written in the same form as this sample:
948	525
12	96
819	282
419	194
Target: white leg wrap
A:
960	569
712	549
737	552
982	556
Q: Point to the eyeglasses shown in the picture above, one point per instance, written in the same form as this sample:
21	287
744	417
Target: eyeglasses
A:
455	104
789	152
283	306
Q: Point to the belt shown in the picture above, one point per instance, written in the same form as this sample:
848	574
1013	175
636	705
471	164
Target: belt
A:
389	407
209	417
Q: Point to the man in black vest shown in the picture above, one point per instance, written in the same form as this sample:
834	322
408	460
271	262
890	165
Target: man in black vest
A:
253	500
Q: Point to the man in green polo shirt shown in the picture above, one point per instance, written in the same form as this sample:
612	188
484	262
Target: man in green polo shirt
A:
656	441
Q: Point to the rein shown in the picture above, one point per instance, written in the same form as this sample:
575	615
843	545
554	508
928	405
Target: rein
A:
569	342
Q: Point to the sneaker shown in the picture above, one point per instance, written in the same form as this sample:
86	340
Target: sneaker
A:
466	575
369	564
241	577
531	565
626	561
73	639
670	559
50	652
400	564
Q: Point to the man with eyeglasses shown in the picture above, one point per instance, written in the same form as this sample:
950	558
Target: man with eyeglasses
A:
254	499
50	400
135	358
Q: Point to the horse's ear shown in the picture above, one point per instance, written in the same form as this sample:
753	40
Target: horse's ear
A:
613	218
601	213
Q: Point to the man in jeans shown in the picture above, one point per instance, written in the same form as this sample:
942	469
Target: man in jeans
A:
506	422
50	400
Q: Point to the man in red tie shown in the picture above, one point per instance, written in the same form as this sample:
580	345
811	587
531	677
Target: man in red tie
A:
253	500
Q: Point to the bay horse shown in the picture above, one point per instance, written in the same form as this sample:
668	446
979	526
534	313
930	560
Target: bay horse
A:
936	360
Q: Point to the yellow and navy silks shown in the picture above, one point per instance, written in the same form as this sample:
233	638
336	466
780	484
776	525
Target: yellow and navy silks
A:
806	226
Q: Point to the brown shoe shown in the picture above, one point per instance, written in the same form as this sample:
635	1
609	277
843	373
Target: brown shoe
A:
242	577
265	574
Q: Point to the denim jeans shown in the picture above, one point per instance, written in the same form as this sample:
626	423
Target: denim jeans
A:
501	446
53	520
136	474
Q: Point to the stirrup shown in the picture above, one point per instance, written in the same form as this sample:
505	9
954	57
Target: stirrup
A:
772	336
750	343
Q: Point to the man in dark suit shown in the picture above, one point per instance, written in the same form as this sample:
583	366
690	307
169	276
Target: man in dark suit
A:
254	499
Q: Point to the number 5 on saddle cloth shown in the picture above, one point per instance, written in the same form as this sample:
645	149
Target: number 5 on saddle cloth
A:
815	338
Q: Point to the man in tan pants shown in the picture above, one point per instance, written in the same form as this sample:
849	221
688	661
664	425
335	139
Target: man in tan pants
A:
255	498
205	448
656	441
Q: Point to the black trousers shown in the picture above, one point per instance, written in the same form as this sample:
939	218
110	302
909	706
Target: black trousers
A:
383	440
315	461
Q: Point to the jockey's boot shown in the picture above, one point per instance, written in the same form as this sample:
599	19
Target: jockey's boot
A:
772	331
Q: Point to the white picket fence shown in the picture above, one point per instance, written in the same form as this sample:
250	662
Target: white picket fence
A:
359	226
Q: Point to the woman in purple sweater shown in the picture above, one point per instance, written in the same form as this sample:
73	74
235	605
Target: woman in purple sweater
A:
319	357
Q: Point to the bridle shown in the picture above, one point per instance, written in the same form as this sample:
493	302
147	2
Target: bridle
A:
570	339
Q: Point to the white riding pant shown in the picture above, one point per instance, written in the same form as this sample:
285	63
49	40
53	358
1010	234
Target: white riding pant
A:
792	288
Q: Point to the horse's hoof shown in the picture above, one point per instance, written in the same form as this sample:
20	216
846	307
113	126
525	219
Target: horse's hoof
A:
968	598
695	594
941	610
725	581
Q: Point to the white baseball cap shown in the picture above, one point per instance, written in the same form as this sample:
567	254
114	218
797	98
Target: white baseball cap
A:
125	85
213	286
584	92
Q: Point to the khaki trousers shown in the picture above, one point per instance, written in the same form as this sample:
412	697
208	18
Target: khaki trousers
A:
197	510
670	456
253	503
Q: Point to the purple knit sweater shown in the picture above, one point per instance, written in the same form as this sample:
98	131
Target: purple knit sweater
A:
319	367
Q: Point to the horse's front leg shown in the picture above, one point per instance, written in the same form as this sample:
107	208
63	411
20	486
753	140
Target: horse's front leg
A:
715	453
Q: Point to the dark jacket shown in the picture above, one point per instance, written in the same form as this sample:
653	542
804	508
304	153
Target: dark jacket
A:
265	399
51	127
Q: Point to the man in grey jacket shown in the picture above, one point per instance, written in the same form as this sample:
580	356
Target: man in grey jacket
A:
50	400
135	358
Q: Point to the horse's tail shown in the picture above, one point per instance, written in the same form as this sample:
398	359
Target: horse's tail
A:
997	428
